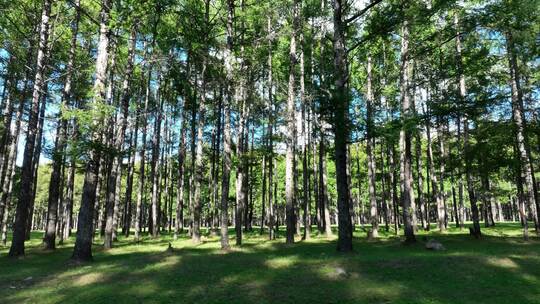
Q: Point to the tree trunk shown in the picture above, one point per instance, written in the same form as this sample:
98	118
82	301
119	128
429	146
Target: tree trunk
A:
405	137
341	106
83	244
199	166
370	150
179	222
518	117
290	159
227	130
130	174
25	193
270	134
466	148
305	146
155	165
323	188
54	184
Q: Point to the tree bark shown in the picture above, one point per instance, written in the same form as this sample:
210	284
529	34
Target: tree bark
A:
25	193
83	244
227	130
305	146
179	222
405	137
54	184
199	166
518	117
290	156
341	106
370	150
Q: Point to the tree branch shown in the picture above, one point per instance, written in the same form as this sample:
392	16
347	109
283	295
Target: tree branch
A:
361	12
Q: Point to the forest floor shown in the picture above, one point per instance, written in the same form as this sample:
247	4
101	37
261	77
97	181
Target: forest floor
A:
499	268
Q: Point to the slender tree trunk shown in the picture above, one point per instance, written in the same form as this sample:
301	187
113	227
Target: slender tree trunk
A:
70	187
420	176
7	186
131	172
323	187
405	137
270	134
179	222
54	184
216	153
227	130
441	203
155	165
199	166
83	244
475	230
290	195
370	150
341	115
518	118
35	160
25	193
142	153
305	146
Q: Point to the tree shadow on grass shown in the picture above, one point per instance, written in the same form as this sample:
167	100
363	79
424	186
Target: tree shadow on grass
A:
490	270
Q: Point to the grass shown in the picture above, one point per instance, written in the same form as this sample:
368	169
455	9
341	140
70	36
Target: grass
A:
499	268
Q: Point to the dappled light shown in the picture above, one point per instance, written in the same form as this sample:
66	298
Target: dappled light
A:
270	151
491	270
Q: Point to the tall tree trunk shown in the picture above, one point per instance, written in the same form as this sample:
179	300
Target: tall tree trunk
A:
470	185
131	171
216	153
118	142
142	153
155	165
54	184
70	187
83	243
305	146
7	186
324	202
227	130
407	195
25	193
341	114
270	134
8	99
290	156
518	117
466	145
441	204
179	222
35	160
6	177
199	166
462	99
370	150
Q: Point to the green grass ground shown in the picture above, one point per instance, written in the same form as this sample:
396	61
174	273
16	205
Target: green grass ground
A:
500	268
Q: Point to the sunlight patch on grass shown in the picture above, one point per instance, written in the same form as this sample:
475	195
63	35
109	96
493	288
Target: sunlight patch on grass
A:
281	262
530	278
169	261
502	262
377	293
336	272
87	279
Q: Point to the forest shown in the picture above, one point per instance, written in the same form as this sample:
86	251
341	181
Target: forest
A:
284	151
